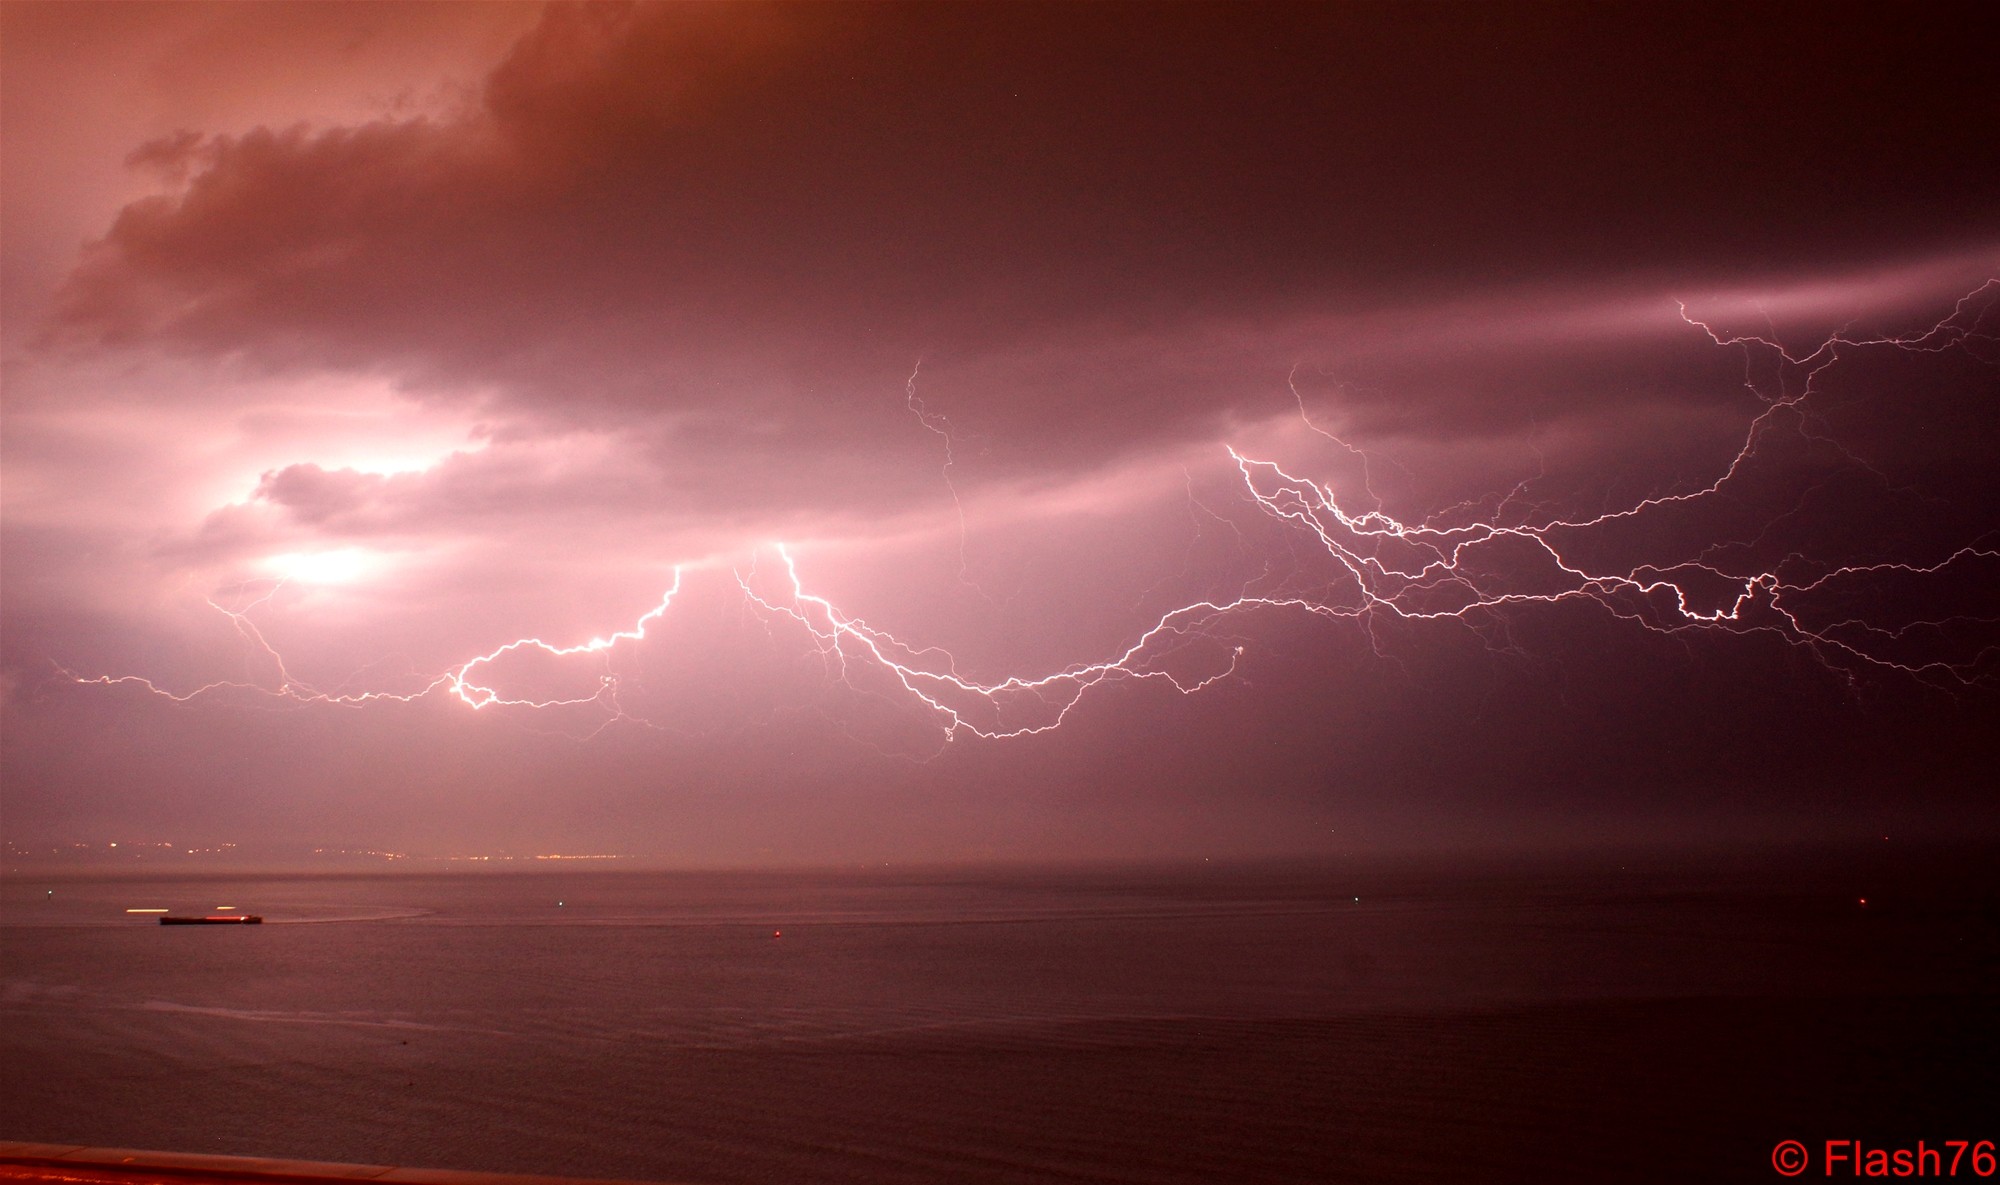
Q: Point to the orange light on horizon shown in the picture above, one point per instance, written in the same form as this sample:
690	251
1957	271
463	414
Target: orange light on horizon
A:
145	911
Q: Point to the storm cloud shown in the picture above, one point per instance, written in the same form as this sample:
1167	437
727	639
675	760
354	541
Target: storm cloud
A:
472	324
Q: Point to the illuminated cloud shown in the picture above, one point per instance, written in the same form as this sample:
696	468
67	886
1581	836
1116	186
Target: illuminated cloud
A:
478	324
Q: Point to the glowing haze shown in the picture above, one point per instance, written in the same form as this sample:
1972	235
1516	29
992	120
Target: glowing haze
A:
742	433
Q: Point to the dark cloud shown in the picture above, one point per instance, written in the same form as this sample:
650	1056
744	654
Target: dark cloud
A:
758	213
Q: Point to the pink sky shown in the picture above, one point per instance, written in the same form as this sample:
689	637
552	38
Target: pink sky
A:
404	332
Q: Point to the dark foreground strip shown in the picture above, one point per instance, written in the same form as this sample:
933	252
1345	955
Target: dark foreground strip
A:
127	1166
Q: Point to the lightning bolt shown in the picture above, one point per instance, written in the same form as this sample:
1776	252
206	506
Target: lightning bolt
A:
1465	565
459	682
1439	569
958	703
938	425
477	696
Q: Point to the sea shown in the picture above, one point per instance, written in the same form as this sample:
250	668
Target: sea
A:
1604	1020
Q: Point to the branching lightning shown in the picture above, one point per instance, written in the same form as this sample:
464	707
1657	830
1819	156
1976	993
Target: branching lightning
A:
1472	564
459	682
931	676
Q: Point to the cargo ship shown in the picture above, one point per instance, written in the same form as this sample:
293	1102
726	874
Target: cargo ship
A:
214	919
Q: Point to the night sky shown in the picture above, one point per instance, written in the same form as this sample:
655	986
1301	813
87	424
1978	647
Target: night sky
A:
1412	425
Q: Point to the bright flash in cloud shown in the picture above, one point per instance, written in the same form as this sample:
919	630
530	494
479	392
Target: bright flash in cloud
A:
346	565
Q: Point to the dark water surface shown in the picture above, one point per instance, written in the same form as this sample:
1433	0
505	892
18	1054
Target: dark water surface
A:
1240	1024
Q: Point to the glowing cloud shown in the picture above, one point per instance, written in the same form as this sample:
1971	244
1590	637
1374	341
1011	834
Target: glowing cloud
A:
346	565
1471	565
